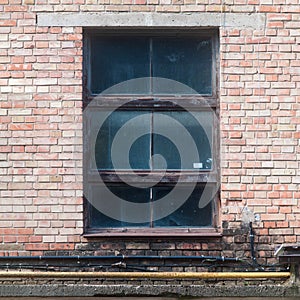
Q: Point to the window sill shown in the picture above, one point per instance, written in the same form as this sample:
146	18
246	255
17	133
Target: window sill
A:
146	232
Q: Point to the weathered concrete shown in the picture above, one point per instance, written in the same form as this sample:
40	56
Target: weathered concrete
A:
155	20
82	290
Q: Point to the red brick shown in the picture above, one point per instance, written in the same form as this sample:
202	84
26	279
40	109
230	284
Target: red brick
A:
19	126
20	67
37	247
8	23
62	246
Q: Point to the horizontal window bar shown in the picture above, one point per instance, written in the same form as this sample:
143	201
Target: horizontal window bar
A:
196	102
169	177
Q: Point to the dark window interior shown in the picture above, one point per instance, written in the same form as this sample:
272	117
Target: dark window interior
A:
188	215
117	59
150	144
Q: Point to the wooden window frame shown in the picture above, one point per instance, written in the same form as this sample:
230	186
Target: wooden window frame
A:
155	103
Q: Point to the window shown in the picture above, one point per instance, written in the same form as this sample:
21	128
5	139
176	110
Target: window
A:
150	132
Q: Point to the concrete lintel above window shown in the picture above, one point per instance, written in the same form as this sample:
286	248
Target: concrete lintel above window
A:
154	20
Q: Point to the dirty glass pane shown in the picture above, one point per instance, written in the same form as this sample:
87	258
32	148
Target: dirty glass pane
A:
125	193
168	150
189	214
123	128
185	141
117	59
186	60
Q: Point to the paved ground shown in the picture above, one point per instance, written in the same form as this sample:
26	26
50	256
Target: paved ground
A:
163	291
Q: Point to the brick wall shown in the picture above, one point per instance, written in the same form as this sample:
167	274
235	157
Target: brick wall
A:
260	126
41	209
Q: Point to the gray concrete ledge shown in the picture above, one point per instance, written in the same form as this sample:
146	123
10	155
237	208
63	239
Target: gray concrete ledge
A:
155	20
81	290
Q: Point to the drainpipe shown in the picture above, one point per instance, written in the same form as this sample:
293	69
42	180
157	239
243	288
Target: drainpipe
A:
253	257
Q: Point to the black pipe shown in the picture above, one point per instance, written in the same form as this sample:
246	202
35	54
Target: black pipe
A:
118	257
95	261
109	261
251	236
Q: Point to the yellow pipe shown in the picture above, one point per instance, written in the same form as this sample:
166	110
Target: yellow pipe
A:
150	275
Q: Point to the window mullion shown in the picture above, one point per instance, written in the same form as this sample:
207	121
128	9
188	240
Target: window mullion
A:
150	64
151	167
151	141
151	207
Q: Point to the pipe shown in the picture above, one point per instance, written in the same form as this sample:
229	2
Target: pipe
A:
118	257
141	275
251	236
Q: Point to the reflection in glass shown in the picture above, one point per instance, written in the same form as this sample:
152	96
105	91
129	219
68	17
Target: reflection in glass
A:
197	126
117	59
189	214
125	193
186	60
139	153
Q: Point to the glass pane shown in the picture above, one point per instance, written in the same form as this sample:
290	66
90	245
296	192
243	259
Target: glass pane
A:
186	60
168	150
189	214
125	135
117	59
125	193
184	139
